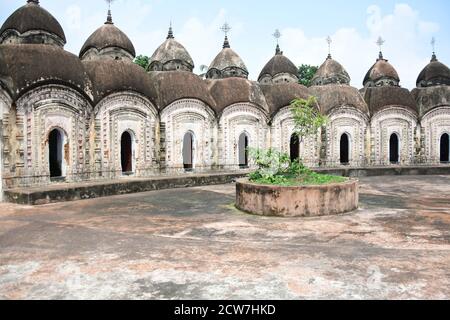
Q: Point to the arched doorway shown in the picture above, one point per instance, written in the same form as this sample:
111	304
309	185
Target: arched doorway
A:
345	149
394	149
243	150
126	153
188	151
55	153
445	148
295	148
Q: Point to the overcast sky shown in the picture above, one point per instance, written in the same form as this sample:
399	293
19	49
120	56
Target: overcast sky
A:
407	26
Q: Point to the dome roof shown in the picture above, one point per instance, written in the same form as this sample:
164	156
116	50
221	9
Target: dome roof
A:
435	73
111	76
108	36
330	72
56	66
229	91
172	50
279	64
227	59
334	96
281	95
32	17
382	69
380	98
175	85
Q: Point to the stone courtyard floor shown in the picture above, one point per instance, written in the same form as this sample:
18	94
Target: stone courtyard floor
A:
193	244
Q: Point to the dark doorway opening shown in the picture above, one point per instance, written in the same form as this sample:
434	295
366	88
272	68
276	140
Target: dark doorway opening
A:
295	148
126	151
394	149
345	149
243	150
55	145
188	151
445	148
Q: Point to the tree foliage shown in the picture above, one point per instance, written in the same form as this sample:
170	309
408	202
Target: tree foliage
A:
307	118
275	167
142	61
306	73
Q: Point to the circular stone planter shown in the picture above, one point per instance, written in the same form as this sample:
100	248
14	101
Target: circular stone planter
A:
297	201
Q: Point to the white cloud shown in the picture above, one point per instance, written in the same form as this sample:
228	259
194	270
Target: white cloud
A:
405	34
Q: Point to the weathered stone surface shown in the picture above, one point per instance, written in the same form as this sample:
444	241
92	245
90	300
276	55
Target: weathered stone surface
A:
108	36
304	201
193	244
32	24
62	193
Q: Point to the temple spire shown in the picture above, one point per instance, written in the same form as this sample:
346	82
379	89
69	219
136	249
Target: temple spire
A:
170	34
380	43
226	29
329	41
109	16
277	36
433	44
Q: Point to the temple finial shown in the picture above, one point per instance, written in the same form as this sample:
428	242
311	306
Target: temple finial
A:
33	1
277	36
380	43
433	44
226	28
109	17
329	41
170	34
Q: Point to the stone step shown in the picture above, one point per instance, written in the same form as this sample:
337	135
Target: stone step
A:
90	190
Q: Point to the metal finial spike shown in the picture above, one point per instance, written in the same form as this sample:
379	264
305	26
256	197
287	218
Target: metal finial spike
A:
329	41
277	36
109	3
226	28
433	45
170	34
226	43
434	58
109	17
278	50
380	43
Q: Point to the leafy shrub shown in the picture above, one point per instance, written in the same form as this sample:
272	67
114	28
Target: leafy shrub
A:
275	167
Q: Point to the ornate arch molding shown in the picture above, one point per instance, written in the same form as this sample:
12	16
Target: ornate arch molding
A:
193	115
247	108
5	102
131	99
115	114
234	120
434	124
353	122
394	119
53	94
192	105
51	106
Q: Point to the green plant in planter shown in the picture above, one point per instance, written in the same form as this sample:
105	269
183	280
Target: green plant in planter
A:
275	167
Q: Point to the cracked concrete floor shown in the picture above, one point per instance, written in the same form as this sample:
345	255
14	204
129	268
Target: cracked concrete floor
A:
193	244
